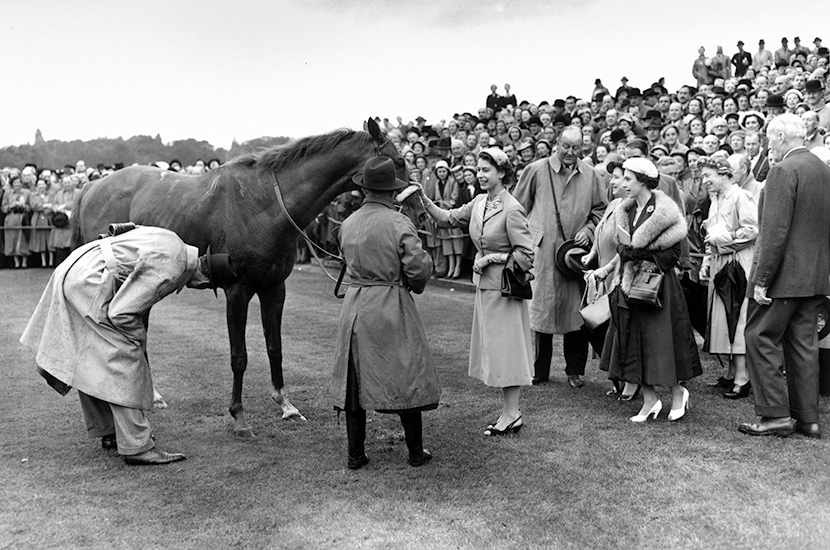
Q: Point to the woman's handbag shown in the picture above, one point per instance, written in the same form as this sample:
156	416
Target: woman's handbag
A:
595	313
515	283
645	288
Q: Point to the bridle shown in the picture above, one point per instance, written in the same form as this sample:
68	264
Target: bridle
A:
378	145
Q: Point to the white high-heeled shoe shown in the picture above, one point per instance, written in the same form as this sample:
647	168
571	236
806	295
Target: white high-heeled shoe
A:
677	414
654	411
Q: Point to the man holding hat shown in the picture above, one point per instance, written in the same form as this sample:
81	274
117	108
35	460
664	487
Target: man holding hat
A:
89	331
564	199
382	360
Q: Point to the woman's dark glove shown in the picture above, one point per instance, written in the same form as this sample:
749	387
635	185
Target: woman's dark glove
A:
625	252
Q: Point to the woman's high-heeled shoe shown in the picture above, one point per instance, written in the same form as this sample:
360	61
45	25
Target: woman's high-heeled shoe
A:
629	397
743	391
654	411
513	427
677	414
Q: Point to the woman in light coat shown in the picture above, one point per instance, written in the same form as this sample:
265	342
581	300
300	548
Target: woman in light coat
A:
731	230
501	353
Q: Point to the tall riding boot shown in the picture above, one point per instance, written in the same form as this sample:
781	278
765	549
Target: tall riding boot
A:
356	432
412	428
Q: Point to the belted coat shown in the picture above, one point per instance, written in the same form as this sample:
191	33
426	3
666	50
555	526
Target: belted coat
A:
87	327
379	324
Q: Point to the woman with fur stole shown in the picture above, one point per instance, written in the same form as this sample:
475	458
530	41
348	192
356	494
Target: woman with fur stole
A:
647	345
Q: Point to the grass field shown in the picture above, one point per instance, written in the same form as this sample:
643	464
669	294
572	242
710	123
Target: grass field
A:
578	476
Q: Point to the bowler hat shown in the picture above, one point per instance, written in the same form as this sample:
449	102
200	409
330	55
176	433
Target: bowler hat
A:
813	85
217	268
617	135
441	144
653	113
775	100
379	175
568	257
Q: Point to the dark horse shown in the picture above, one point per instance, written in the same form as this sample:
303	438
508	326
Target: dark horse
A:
234	209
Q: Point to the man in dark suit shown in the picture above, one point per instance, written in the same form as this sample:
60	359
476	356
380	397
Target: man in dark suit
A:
757	156
789	278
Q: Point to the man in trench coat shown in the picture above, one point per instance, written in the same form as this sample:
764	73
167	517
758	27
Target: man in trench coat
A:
89	332
581	200
382	360
789	278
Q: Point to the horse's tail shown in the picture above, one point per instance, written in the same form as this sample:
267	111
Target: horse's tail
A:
75	220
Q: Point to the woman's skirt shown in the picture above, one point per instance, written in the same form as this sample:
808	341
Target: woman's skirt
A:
39	235
501	352
16	240
452	241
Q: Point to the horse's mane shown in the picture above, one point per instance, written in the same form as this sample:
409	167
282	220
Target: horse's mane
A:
283	156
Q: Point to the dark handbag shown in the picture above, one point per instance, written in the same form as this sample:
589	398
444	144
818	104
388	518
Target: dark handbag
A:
515	283
645	288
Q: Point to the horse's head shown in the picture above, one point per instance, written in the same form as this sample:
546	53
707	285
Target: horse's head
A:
411	204
384	147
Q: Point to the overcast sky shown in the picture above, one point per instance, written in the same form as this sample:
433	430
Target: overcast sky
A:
222	70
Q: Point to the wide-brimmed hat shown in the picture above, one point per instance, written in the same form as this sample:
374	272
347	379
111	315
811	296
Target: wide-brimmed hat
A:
379	175
217	268
568	259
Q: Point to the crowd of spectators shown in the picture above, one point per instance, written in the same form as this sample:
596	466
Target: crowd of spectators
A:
36	205
724	110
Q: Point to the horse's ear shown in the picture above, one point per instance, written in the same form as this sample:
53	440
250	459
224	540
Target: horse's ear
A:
374	129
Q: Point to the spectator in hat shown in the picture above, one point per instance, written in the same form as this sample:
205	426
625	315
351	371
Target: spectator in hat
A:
762	58
814	94
775	105
580	199
741	60
653	130
393	374
89	333
720	66
798	48
782	54
792	98
439	188
649	346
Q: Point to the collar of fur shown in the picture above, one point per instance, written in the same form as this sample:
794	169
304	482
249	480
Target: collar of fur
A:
663	229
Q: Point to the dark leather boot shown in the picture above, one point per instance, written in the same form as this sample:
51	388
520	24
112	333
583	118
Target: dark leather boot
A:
356	432
412	428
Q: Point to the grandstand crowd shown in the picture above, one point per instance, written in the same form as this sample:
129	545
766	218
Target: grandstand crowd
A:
723	110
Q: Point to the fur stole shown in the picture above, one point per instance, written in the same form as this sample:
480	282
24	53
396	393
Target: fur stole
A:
663	229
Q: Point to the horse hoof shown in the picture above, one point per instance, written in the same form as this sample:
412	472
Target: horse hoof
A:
244	433
293	415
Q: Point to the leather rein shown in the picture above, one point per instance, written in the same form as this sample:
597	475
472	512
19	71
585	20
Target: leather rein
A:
311	244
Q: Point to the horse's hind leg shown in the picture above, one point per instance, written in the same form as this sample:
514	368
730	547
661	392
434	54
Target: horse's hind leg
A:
238	298
272	302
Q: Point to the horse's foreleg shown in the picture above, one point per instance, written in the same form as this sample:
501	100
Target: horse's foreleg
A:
238	298
272	302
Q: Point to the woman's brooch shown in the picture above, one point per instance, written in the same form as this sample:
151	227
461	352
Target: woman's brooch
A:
650	208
